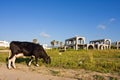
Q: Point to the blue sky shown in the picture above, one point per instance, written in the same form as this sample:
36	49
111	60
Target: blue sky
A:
48	20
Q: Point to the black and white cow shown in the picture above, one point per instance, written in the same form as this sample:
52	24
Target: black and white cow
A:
27	49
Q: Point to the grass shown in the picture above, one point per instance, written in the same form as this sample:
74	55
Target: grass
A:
3	48
104	61
98	77
3	56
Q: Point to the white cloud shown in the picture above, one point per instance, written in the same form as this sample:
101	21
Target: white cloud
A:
112	19
105	25
45	35
101	26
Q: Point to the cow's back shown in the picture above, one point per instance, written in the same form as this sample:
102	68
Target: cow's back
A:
22	47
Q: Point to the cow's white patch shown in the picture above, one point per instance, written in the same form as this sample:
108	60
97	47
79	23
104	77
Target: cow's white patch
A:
30	62
9	64
13	62
19	55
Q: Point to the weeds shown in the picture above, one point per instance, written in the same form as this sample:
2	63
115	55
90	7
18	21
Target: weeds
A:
98	77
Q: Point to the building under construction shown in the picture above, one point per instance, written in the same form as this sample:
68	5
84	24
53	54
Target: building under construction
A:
116	45
75	42
78	42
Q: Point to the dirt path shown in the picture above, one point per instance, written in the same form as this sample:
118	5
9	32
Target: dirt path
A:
24	72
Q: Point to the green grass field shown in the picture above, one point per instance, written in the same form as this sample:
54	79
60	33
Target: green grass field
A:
105	61
94	60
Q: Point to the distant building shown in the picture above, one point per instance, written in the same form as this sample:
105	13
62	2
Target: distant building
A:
78	42
101	44
45	46
75	42
116	44
4	44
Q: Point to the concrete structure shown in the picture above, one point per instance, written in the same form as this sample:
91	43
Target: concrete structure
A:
78	42
45	46
4	44
89	46
116	44
101	44
75	42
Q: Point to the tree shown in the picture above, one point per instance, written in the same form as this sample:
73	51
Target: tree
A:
53	43
57	42
35	40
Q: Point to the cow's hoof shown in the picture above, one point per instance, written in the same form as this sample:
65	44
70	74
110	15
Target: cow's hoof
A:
9	67
28	65
14	67
37	65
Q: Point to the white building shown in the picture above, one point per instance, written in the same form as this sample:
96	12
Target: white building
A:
45	46
75	42
4	44
101	44
116	44
78	42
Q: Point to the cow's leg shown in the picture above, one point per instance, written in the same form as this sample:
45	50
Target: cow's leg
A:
10	61
36	60
30	61
13	62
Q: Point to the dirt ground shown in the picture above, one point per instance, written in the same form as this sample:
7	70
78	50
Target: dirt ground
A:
26	73
23	72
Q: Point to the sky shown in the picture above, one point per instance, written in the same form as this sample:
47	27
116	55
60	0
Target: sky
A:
47	20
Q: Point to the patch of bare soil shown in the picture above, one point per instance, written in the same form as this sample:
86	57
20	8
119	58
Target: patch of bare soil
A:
23	72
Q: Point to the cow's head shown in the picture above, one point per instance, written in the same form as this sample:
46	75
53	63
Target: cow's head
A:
47	60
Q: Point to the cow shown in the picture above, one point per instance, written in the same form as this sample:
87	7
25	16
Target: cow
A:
19	48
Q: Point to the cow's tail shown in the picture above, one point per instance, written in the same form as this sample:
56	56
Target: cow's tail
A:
9	54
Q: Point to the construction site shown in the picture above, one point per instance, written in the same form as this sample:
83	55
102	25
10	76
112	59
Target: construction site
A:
79	42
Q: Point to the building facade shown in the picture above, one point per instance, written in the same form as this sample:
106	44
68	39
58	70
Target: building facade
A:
116	44
101	44
75	42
